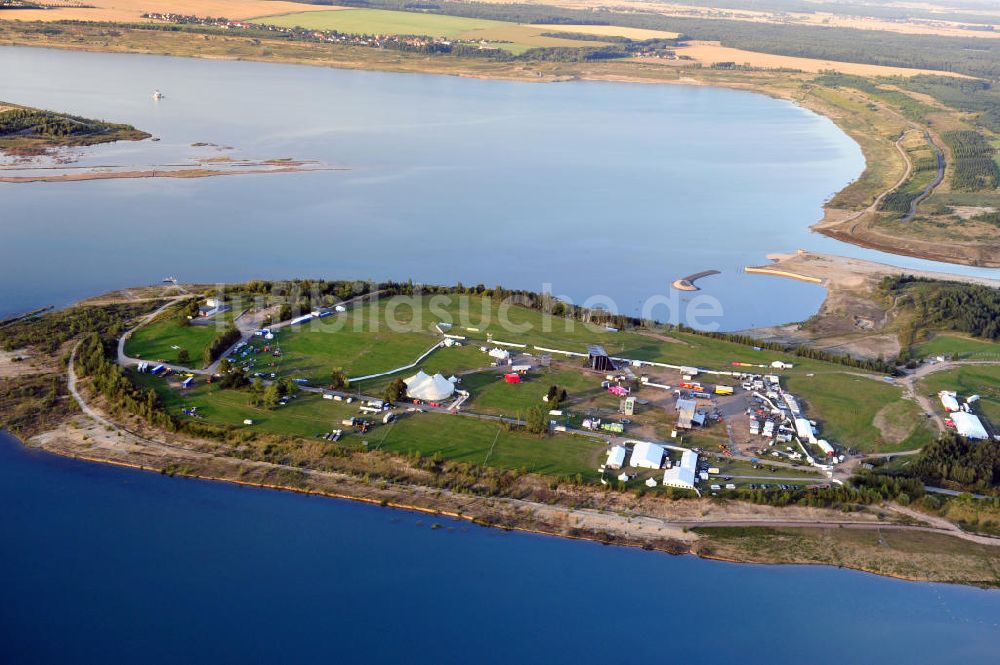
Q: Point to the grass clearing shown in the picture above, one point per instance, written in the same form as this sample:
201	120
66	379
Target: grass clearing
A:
156	340
850	410
982	380
958	347
393	332
470	440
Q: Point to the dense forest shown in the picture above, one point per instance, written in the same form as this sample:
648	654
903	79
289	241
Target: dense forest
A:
967	55
973	168
953	460
967	308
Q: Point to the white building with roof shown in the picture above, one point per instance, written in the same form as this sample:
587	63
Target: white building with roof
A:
647	455
805	430
616	457
682	475
969	425
949	400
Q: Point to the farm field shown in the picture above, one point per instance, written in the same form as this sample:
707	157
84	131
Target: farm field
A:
982	380
710	53
513	37
132	10
862	412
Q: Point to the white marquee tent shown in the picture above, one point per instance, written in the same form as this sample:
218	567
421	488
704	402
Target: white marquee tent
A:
429	388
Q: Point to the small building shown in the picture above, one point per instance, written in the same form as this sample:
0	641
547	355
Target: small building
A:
686	409
616	457
647	455
598	359
212	307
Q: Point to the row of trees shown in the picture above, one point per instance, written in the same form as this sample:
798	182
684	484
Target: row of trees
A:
222	341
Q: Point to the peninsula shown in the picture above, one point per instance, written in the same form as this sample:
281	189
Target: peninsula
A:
678	441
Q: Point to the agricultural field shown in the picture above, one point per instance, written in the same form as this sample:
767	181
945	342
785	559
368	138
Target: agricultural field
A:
862	412
164	338
711	53
512	37
982	380
132	10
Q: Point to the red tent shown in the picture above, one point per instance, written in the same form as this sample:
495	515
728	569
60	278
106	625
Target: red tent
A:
512	378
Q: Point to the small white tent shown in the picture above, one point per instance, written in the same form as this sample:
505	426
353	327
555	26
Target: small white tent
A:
429	388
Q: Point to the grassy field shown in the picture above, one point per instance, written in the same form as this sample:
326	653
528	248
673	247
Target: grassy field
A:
481	441
455	437
958	347
156	341
363	342
982	380
491	394
510	36
862	413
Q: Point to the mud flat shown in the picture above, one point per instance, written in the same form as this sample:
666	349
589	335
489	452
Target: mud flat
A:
70	174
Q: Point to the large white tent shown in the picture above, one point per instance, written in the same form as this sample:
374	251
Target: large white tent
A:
682	474
969	425
428	388
646	455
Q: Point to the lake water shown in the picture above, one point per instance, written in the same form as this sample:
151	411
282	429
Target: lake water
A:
594	188
102	564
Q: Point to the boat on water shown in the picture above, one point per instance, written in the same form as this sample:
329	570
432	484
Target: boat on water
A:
157	94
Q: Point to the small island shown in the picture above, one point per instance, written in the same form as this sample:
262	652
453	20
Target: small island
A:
26	131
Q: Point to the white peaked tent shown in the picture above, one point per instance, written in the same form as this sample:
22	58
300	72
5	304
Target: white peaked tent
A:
429	388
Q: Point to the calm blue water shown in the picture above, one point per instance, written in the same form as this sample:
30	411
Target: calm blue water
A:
102	564
594	188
